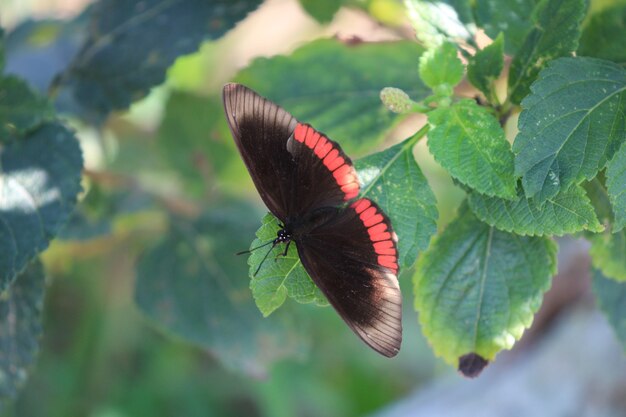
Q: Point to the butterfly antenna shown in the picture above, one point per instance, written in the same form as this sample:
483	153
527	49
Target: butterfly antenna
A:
253	249
265	257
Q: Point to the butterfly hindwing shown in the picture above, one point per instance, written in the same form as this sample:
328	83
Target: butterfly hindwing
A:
352	258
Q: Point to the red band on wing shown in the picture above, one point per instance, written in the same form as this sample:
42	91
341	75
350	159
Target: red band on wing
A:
380	233
332	157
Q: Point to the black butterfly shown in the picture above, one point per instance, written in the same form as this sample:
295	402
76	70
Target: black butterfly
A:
347	247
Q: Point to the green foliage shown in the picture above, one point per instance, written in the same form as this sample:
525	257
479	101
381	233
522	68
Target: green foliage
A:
192	284
397	100
21	109
604	36
393	179
40	177
322	10
608	253
570	126
611	298
512	18
129	47
279	275
477	289
332	86
437	22
440	68
568	212
616	185
555	33
485	67
468	141
20	328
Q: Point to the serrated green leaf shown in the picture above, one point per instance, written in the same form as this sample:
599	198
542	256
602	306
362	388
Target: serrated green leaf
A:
437	22
321	10
571	125
477	288
554	34
279	276
616	187
569	211
395	182
191	284
608	253
604	36
20	328
485	67
611	298
441	66
132	43
194	140
513	18
21	109
333	87
596	191
468	142
39	182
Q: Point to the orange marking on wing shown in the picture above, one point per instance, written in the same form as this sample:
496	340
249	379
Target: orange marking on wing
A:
350	188
368	213
331	157
300	132
360	205
388	244
384	250
388	261
343	175
322	145
350	195
379	228
378	218
312	138
380	236
336	163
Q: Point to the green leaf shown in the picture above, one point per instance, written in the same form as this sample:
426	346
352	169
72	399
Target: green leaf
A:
611	298
39	182
596	191
616	186
21	109
569	211
570	126
608	253
468	142
513	18
132	43
437	22
279	276
20	328
485	67
441	66
555	34
194	140
604	36
2	58
192	285
321	10
477	288
395	182
334	87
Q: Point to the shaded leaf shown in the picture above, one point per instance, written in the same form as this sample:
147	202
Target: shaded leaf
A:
608	253
513	18
611	298
395	182
604	36
569	211
570	126
485	67
132	43
616	186
596	191
192	284
555	33
437	22
468	142
332	86
39	182
20	328
477	288
279	276
21	109
441	66
321	10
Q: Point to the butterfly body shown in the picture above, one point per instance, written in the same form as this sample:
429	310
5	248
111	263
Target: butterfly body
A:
346	245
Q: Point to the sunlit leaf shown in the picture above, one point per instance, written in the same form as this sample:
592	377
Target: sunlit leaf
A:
436	22
608	253
441	66
571	125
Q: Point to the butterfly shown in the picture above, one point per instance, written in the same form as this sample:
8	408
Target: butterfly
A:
346	244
